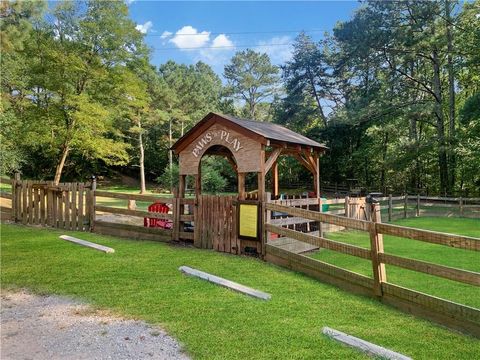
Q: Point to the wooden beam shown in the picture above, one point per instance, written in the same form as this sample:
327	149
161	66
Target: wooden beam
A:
198	181
275	187
304	162
181	186
138	197
241	186
376	246
320	242
362	345
261	176
225	283
272	159
89	244
232	162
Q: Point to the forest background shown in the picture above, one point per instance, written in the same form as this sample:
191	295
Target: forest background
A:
394	93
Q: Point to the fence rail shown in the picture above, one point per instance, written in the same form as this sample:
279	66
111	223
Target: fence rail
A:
446	312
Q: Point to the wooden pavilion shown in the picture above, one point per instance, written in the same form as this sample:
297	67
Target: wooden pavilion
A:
250	146
223	222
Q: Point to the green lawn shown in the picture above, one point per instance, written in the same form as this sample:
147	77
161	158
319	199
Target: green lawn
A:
443	255
5	187
141	280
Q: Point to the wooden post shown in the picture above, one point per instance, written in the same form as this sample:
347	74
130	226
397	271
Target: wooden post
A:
241	186
91	205
268	217
460	204
418	205
14	196
376	246
198	181
275	188
262	199
405	205
320	227
180	205
18	199
317	176
176	216
261	176
390	207
347	206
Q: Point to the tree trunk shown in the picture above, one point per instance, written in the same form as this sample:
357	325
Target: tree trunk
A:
170	154
384	161
451	95
317	99
143	188
61	164
442	151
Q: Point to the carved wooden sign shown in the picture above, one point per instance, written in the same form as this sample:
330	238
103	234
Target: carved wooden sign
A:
233	143
245	151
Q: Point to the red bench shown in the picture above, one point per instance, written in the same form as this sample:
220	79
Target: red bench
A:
161	223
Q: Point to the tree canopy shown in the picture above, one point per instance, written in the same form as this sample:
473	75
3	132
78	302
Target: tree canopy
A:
394	92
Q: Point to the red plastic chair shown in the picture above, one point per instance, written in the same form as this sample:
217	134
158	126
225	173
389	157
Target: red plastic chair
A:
161	223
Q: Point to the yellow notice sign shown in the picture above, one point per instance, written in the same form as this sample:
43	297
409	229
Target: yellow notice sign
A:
248	221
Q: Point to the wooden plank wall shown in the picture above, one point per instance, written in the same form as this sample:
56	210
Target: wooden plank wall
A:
215	224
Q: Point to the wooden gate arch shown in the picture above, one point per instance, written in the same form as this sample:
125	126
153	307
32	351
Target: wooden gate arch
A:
251	147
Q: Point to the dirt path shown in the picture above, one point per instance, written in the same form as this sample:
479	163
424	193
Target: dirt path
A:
52	327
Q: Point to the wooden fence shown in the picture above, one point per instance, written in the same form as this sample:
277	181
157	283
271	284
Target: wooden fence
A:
122	224
210	221
448	313
64	206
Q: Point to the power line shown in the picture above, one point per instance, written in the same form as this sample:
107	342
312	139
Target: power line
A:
243	32
222	47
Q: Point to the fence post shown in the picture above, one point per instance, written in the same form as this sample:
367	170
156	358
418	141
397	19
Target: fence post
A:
91	205
320	225
376	247
176	216
418	205
390	206
460	202
347	206
15	201
405	205
268	217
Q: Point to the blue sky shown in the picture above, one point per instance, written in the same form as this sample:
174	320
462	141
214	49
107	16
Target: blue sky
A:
212	32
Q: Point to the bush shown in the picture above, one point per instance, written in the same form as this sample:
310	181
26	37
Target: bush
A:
169	178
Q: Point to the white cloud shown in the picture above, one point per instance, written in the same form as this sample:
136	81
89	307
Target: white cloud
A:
218	52
166	34
278	54
222	40
129	2
145	27
188	37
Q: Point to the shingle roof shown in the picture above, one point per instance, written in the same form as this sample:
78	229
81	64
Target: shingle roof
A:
273	131
265	130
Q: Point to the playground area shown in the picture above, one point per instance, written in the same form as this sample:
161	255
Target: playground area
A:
382	247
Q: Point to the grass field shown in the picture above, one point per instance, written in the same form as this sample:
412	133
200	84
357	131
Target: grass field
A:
447	289
141	280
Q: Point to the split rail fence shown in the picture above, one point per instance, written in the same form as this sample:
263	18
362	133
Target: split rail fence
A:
446	312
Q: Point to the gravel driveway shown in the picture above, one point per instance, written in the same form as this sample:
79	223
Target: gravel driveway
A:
52	327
